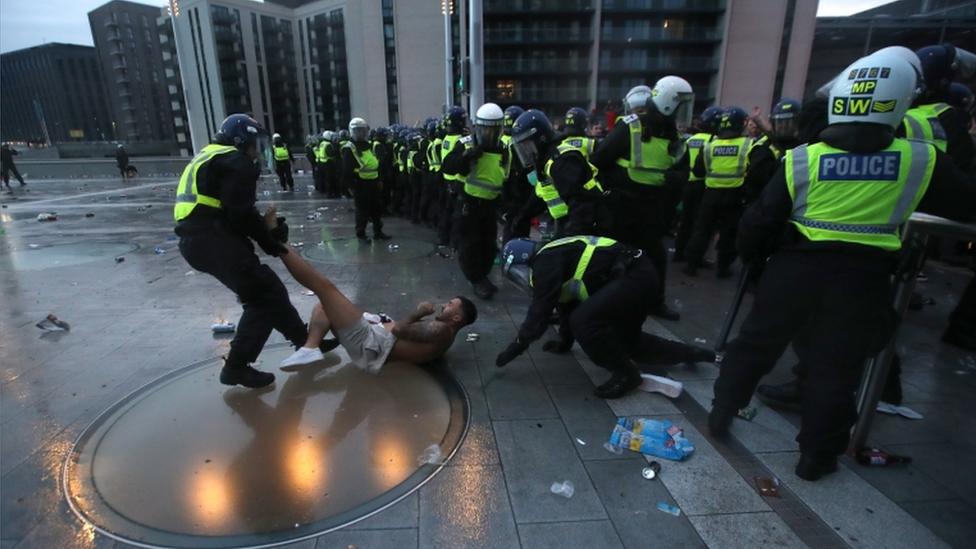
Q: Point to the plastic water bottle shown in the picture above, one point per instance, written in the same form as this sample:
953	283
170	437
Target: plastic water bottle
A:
223	328
564	489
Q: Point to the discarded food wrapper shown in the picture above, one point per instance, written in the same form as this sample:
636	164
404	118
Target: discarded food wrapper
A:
767	487
904	411
747	413
52	324
699	340
612	448
650	436
47	217
119	259
223	328
657	384
160	251
308	292
564	489
432	455
472	337
670	509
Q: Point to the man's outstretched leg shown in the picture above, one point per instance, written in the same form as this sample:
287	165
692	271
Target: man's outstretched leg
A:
315	345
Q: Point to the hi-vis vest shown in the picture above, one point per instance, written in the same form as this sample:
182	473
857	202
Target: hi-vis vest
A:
367	166
923	123
280	153
574	289
322	153
726	161
434	155
773	147
447	146
695	144
488	174
547	191
186	193
859	198
648	161
584	145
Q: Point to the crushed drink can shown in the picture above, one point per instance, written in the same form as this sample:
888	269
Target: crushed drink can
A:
160	251
223	328
652	470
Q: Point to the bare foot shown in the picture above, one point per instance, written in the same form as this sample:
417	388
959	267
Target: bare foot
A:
271	216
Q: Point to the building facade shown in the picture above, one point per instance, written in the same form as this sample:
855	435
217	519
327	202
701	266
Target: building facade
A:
130	53
53	94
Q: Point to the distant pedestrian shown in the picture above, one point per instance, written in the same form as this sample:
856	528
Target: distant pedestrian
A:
7	161
122	160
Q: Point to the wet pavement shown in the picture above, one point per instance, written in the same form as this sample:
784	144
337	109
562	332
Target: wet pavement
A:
139	362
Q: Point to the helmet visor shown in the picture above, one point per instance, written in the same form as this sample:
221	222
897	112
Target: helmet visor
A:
684	112
265	155
360	133
964	63
487	136
785	127
526	152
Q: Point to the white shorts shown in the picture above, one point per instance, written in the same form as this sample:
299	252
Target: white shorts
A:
368	344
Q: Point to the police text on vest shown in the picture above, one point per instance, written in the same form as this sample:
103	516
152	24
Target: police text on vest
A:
880	166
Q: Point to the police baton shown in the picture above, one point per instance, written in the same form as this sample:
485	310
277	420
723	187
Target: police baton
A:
740	292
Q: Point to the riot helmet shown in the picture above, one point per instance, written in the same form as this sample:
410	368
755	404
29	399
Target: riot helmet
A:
637	100
878	89
241	131
456	119
960	97
518	251
358	129
710	119
673	97
511	114
531	133
488	124
733	122
785	119
576	121
941	64
343	135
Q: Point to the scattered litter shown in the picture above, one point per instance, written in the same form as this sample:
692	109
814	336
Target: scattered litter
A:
961	372
613	449
650	436
432	455
678	304
308	292
471	337
160	251
657	384
335	219
564	489
297	244
670	509
223	328
699	340
310	217
747	413
323	208
123	196
141	209
33	246
190	273
394	247
267	193
581	442
904	411
170	238
52	324
718	359
47	217
767	487
652	470
119	259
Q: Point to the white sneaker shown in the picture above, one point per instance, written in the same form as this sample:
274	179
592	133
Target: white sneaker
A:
657	384
301	357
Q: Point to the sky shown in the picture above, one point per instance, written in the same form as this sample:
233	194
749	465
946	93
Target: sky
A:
28	23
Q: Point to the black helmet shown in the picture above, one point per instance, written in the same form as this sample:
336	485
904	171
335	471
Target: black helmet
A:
710	119
343	135
382	134
937	65
511	114
456	119
531	133
240	130
576	120
733	122
960	97
785	118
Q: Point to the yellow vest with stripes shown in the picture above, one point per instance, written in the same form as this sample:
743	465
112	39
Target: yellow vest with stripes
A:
923	123
280	153
726	162
187	196
487	175
447	146
574	289
695	144
367	166
648	160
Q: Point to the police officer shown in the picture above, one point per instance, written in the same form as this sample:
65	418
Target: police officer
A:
216	221
484	164
841	201
283	160
416	173
361	169
767	151
342	139
563	178
601	289
455	124
431	197
723	162
311	146
517	191
694	188
637	158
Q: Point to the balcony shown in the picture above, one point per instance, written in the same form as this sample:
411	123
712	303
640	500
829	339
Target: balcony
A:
122	78
529	95
678	64
119	66
657	6
660	34
557	35
223	18
224	34
535	6
111	23
115	37
116	51
520	66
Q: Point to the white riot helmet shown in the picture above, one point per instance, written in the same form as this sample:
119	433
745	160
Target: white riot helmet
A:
489	122
327	135
637	98
877	89
674	97
358	129
276	137
898	51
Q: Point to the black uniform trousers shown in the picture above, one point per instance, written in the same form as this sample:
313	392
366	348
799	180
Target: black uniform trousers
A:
845	306
319	176
720	211
446	228
415	190
691	198
639	222
230	259
429	198
283	169
369	205
7	168
477	232
607	326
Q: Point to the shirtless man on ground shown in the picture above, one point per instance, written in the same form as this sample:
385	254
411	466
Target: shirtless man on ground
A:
371	345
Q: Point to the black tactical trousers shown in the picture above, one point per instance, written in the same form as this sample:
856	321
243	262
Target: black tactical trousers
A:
720	211
477	232
691	199
369	206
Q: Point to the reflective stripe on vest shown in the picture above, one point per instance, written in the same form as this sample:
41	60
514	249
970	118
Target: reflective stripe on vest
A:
726	161
434	156
447	146
487	176
280	153
584	145
186	192
367	167
548	193
321	153
648	161
695	144
923	123
574	288
857	198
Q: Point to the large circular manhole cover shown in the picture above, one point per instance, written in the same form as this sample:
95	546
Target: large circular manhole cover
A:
187	462
63	255
351	250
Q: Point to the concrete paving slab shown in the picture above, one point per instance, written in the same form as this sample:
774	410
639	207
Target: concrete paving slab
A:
745	530
587	418
767	432
585	534
387	538
467	507
951	520
516	391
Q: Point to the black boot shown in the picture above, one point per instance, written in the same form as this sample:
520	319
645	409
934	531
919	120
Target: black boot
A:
788	395
812	468
620	383
482	289
719	421
363	238
246	376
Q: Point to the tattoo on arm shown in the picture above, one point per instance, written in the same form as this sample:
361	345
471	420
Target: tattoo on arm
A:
421	332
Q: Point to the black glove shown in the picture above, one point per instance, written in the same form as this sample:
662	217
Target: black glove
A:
557	346
473	153
272	247
280	233
514	349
